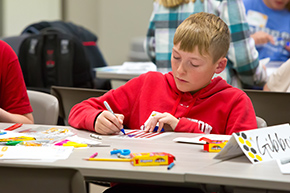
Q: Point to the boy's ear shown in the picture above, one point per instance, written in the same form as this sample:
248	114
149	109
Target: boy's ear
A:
221	65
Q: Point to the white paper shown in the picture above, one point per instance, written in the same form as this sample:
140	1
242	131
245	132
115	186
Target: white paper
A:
24	152
196	140
137	67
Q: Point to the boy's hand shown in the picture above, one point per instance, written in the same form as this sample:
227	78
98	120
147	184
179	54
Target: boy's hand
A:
287	47
165	120
261	37
107	123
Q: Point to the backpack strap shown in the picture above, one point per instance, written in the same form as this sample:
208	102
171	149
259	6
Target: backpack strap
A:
30	59
66	59
58	55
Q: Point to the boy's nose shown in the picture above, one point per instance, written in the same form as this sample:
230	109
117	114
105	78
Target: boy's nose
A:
180	68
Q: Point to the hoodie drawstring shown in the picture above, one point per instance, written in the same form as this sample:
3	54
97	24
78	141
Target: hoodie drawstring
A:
190	106
176	105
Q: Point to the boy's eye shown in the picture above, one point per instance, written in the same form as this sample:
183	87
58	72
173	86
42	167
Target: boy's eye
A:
175	57
194	65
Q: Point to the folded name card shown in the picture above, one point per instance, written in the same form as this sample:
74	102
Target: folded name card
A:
263	144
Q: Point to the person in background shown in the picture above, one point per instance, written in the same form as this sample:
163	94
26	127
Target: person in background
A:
269	22
187	99
243	68
14	102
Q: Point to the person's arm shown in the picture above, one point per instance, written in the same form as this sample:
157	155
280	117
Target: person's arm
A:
266	88
91	114
186	125
242	54
14	102
85	115
15	118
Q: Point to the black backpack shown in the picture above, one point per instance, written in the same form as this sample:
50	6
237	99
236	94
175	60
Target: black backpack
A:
61	54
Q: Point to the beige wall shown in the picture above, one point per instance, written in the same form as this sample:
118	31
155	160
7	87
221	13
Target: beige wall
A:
114	22
17	14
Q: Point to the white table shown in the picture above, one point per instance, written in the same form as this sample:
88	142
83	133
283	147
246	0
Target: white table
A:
193	166
113	73
127	71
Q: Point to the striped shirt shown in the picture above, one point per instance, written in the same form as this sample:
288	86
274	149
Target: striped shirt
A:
243	63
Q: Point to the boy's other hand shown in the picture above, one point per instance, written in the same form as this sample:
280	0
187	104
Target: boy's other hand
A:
165	120
107	123
261	37
287	47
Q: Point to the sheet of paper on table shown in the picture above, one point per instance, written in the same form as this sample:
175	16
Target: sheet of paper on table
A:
196	140
137	67
35	153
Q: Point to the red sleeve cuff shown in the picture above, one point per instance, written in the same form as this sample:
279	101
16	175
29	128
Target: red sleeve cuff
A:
185	125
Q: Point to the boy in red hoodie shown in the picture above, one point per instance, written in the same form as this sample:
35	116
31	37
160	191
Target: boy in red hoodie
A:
189	99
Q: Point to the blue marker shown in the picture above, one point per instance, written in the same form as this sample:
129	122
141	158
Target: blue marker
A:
3	133
156	128
109	109
170	166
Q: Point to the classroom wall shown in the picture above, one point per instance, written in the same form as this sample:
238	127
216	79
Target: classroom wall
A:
17	14
115	23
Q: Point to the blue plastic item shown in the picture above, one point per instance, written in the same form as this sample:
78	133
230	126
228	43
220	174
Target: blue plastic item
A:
121	151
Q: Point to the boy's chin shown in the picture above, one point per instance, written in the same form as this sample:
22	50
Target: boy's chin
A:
182	89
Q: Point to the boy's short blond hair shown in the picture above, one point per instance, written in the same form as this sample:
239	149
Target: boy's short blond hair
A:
174	3
206	31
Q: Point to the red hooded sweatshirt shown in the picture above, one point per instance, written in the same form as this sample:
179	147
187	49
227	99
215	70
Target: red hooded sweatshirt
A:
218	108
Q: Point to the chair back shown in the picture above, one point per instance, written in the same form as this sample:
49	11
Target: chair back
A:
69	96
273	107
35	179
45	107
261	122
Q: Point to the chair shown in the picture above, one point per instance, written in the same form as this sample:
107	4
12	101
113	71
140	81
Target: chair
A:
35	179
273	107
69	96
45	107
261	122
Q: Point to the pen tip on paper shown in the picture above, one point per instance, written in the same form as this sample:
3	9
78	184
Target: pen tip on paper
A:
123	131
